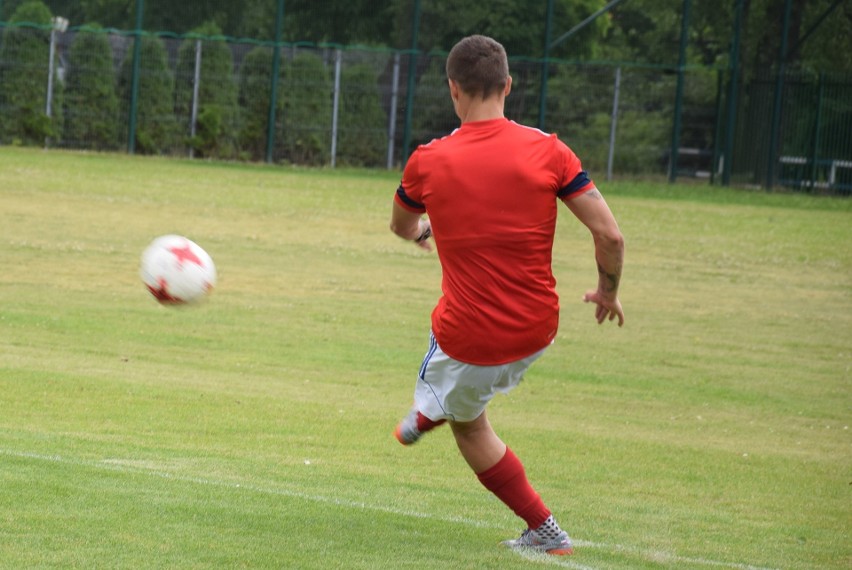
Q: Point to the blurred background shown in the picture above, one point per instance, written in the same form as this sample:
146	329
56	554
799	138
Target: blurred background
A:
746	92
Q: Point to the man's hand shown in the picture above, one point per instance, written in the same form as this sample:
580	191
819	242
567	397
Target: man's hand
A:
422	240
606	308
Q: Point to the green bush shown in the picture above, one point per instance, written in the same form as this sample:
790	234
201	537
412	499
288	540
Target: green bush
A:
91	103
24	58
579	110
307	94
433	113
303	108
363	124
255	78
156	126
217	121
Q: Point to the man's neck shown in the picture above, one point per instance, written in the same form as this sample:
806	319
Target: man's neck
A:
476	109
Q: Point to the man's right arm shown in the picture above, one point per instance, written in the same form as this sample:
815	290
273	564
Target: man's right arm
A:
592	210
411	226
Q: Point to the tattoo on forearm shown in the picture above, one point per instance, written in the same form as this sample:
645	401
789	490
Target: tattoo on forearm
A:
609	281
594	193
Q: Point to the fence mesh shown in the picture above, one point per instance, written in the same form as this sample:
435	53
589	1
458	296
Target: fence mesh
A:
209	97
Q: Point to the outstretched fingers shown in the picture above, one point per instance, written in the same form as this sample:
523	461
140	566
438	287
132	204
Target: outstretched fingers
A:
605	309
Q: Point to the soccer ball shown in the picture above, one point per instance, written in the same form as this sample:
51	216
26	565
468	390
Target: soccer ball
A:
177	271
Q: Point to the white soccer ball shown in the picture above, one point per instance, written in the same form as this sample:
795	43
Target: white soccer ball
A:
177	270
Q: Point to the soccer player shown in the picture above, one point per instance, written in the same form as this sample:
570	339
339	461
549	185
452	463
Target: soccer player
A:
490	190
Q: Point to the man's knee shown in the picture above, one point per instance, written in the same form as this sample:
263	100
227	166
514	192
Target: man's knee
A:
472	429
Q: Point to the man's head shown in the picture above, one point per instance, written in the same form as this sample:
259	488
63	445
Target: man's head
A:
478	64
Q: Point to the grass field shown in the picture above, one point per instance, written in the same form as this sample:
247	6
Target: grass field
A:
254	431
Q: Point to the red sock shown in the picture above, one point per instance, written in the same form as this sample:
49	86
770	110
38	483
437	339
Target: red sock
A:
424	424
508	480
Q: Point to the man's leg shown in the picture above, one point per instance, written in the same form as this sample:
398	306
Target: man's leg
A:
478	443
502	473
499	469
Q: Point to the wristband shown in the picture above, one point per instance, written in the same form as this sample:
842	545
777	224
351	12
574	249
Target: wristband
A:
427	233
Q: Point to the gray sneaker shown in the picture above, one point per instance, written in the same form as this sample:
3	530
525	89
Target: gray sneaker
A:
406	431
559	545
413	426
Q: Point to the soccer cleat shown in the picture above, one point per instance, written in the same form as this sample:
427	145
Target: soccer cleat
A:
413	426
557	545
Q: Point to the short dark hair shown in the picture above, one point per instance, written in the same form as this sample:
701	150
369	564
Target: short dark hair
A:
479	65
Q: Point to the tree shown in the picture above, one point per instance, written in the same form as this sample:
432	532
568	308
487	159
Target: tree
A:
363	138
156	127
518	24
637	31
303	107
91	103
434	115
24	59
307	93
830	47
649	31
217	120
254	93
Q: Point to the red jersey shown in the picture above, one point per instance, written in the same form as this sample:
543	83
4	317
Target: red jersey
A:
490	189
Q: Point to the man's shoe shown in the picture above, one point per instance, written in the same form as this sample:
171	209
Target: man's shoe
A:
413	426
559	545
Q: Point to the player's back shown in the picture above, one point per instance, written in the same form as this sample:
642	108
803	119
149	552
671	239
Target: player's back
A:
493	181
490	190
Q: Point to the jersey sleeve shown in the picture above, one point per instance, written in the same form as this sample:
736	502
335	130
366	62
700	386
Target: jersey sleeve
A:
575	180
409	193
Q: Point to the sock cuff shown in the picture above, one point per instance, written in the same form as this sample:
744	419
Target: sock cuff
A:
508	480
541	520
508	465
424	424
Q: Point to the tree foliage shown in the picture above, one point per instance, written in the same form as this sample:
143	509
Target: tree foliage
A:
91	103
363	123
435	116
636	30
24	59
156	126
649	31
235	86
254	92
217	123
307	94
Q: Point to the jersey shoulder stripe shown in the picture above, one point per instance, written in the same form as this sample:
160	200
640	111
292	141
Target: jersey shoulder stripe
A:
580	182
400	192
437	140
533	129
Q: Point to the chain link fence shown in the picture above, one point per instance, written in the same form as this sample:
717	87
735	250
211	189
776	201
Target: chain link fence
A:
206	96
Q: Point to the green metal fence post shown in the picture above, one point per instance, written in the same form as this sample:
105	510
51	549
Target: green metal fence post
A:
776	104
134	82
412	75
545	64
273	83
817	129
734	67
684	32
720	83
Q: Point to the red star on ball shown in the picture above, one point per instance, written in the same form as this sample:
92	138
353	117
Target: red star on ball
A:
186	254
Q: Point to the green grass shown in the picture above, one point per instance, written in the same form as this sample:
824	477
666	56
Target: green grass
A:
712	431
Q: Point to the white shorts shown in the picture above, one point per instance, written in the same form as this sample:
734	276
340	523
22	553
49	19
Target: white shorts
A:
457	391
